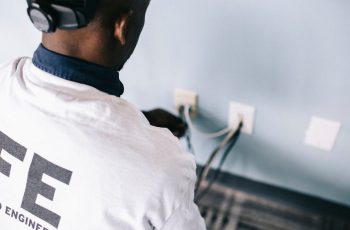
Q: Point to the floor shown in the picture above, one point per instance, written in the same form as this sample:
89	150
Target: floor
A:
255	206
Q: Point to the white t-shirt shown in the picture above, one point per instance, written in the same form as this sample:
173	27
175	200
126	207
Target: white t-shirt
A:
75	158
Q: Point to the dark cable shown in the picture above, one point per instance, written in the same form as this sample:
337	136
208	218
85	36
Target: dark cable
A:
188	135
205	170
230	146
189	142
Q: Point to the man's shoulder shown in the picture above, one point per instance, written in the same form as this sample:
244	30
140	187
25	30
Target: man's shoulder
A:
10	66
160	149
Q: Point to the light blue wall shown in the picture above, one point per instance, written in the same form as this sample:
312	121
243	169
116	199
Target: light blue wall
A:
17	36
289	58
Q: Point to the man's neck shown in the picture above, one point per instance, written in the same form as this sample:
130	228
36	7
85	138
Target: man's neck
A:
79	45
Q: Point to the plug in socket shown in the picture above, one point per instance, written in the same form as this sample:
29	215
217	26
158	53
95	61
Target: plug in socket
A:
247	113
186	97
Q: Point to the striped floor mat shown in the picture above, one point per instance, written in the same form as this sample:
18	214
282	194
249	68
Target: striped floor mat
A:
226	209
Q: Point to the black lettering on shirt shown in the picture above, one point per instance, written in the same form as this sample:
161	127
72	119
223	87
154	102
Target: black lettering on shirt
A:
16	215
35	186
7	211
13	148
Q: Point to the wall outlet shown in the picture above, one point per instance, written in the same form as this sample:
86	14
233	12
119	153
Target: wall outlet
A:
186	97
322	133
247	112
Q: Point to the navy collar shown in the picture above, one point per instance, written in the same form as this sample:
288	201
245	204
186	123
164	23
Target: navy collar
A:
102	78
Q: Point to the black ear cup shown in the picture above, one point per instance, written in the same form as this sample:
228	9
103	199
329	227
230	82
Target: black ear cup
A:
42	20
68	16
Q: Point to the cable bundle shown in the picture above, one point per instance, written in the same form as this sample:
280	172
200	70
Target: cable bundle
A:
227	144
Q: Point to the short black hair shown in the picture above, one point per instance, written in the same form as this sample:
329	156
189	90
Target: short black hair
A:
108	11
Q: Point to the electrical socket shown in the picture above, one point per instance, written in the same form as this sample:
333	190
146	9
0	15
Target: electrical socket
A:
186	97
247	113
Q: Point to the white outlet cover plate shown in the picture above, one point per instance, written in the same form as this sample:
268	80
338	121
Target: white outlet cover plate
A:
185	97
248	113
322	133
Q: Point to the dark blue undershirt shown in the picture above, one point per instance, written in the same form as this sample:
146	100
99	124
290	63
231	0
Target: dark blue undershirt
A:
73	69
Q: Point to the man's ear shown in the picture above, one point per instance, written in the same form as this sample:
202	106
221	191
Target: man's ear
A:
120	27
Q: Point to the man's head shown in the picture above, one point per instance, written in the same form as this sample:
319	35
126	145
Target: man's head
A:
109	39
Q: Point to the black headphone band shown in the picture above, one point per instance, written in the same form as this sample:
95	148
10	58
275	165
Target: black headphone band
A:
62	14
